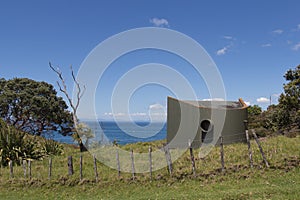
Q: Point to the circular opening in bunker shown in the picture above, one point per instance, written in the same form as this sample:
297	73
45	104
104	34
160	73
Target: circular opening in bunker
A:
206	125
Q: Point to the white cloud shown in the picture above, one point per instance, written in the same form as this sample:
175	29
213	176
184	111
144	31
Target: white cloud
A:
159	22
227	37
222	51
263	100
156	106
298	27
266	45
114	114
296	47
277	31
248	103
214	99
138	114
276	95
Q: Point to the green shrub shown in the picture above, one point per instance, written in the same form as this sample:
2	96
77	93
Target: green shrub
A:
51	147
16	145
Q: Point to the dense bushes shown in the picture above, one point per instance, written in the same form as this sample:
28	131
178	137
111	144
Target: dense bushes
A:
16	145
283	118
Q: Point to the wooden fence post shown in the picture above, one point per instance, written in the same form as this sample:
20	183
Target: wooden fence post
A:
168	159
50	168
70	166
249	149
29	169
260	148
150	162
80	167
24	165
95	168
248	143
132	165
11	169
192	158
118	163
222	153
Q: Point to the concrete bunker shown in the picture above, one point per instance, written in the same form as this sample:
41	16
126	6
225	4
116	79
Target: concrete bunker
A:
193	121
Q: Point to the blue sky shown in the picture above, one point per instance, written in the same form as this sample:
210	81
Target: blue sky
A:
252	43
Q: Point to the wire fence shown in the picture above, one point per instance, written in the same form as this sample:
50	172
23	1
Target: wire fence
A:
29	173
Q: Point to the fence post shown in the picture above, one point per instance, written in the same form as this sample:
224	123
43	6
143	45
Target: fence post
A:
70	166
11	169
132	164
118	163
260	148
80	167
222	153
50	168
192	158
150	162
24	163
248	143
168	159
29	169
95	168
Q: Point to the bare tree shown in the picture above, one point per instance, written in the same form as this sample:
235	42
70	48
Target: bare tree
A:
74	104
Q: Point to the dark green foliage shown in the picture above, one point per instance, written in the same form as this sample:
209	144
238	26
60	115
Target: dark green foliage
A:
15	145
258	121
283	118
33	107
254	113
289	101
254	110
51	147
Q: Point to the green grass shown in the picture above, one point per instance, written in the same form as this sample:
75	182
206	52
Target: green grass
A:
280	181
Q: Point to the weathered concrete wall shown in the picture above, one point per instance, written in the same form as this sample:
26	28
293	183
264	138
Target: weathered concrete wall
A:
190	120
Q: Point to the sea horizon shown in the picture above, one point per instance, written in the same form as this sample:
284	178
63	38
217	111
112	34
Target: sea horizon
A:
113	133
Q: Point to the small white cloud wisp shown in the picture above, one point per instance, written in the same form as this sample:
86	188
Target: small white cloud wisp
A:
278	31
222	51
159	22
263	100
266	45
296	47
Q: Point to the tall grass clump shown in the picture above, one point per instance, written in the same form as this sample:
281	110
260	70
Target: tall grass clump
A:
16	146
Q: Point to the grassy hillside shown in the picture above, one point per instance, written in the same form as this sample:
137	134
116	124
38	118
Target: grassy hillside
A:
239	181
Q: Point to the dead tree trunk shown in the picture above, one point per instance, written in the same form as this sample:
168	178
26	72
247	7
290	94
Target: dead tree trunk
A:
74	105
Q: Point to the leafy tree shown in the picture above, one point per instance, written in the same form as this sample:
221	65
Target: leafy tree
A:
289	101
33	106
284	118
256	120
254	113
83	132
254	110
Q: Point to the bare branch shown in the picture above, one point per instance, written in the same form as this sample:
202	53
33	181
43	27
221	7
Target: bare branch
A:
79	91
63	88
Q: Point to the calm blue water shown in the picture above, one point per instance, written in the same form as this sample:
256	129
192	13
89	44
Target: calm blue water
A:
112	131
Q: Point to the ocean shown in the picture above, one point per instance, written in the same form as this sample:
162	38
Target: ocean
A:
123	133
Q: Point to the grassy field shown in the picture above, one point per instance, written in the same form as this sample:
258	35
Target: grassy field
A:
239	181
